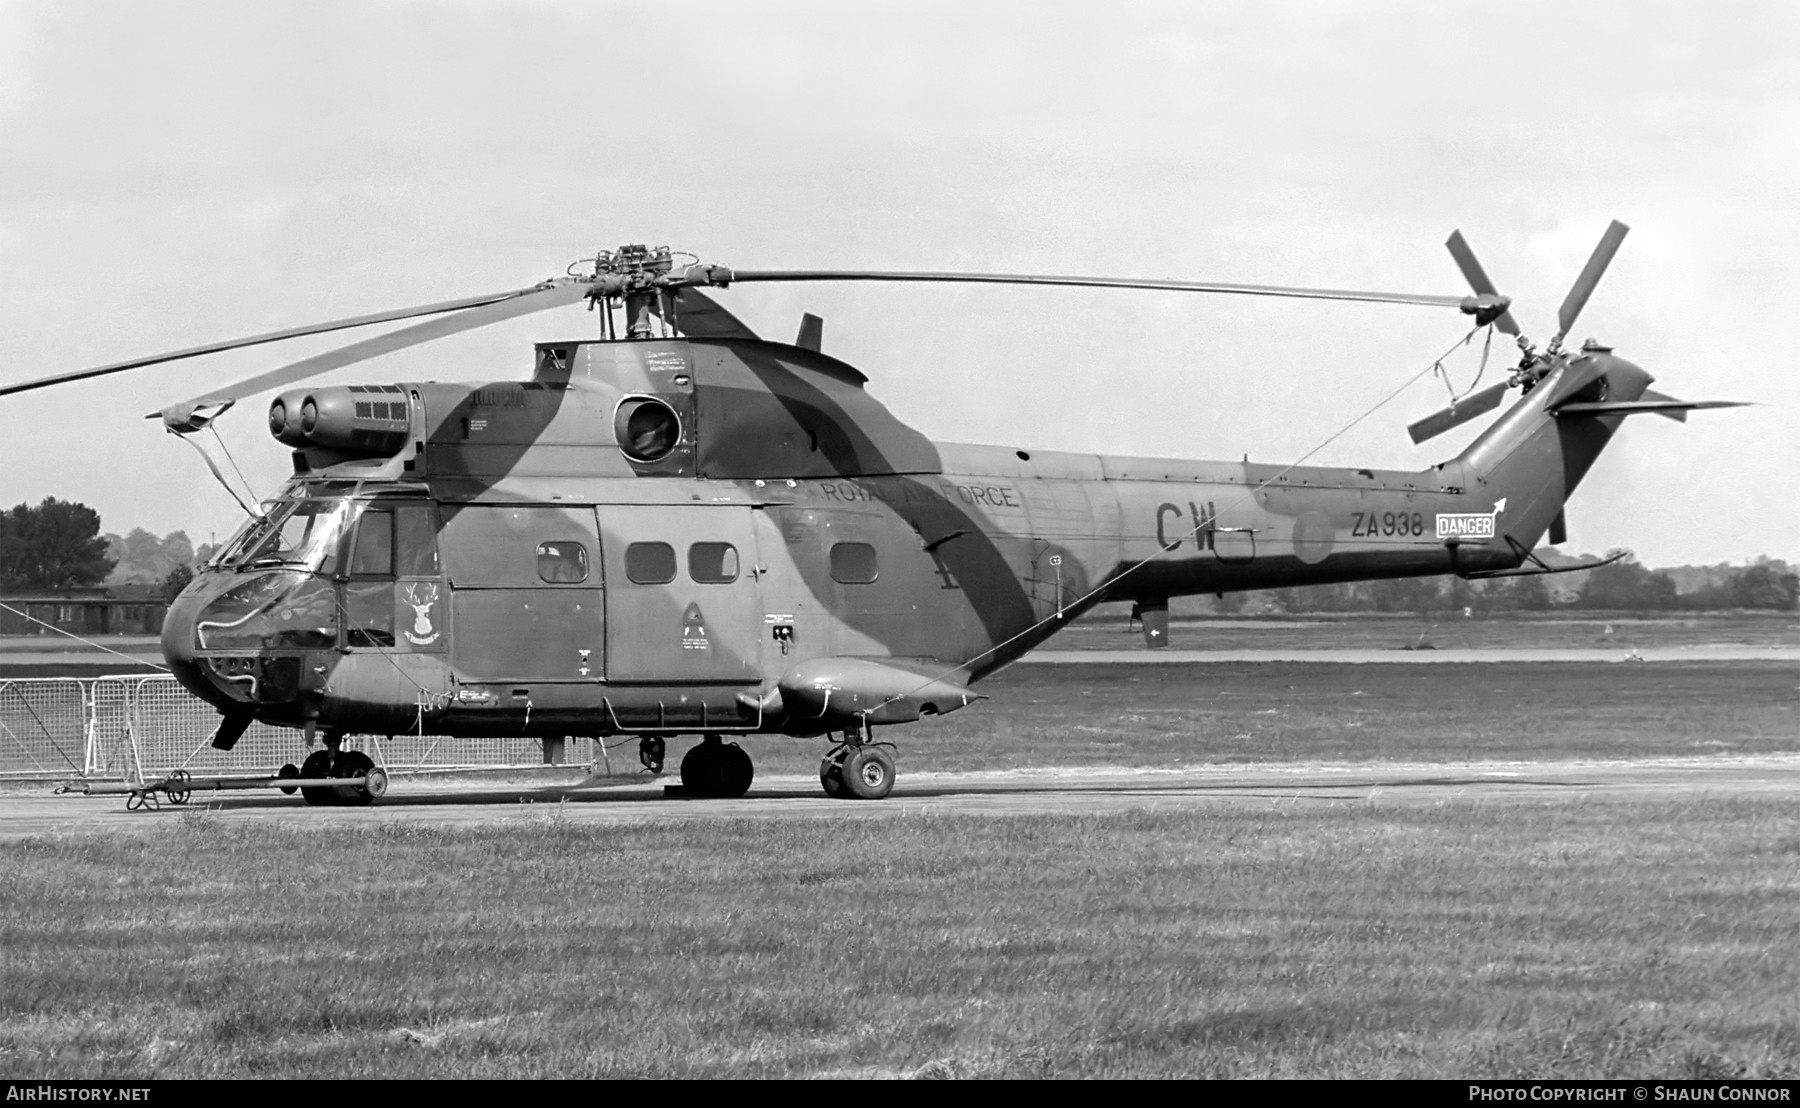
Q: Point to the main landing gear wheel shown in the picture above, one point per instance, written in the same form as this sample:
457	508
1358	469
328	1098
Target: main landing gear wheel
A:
867	773
717	769
326	764
317	764
829	767
355	763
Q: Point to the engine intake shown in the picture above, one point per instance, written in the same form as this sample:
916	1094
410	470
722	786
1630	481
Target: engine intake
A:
361	421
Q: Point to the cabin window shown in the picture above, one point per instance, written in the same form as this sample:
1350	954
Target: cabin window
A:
415	540
369	612
369	604
853	563
562	563
374	555
498	546
712	563
650	563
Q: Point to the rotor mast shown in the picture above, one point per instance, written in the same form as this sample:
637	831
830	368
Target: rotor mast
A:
636	275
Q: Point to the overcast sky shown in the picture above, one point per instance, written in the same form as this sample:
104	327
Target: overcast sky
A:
172	173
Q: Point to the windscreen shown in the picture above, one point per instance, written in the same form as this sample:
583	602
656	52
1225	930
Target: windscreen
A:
301	533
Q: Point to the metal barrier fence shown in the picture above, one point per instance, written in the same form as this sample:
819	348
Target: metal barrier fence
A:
133	728
44	727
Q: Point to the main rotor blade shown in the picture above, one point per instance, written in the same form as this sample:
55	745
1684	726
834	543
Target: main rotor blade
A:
699	316
1470	406
259	340
1467	304
549	295
1478	278
1590	276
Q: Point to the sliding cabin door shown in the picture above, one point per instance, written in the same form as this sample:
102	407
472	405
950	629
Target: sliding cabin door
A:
526	592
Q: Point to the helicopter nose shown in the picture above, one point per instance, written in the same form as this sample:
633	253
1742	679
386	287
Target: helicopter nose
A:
178	645
224	641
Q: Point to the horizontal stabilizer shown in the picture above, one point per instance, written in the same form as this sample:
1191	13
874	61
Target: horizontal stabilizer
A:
1678	415
1639	407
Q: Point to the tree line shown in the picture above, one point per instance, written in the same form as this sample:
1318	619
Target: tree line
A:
56	547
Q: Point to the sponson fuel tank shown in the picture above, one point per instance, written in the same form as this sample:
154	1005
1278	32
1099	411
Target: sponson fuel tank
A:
836	693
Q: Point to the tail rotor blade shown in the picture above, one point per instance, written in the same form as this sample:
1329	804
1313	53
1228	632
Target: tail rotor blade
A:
1590	276
1461	412
1478	278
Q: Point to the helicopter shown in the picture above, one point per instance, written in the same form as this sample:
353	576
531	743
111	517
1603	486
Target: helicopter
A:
679	527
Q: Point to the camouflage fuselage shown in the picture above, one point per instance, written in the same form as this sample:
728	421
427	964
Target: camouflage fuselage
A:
509	559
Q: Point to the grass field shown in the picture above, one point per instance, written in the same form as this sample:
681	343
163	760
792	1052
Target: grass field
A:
1582	938
1168	715
1587	939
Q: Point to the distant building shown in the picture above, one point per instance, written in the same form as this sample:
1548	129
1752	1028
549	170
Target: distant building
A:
112	610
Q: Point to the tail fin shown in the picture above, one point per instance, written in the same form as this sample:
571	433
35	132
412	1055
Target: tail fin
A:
1533	457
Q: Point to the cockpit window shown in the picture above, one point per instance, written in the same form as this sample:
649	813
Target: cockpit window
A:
374	553
228	553
300	533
